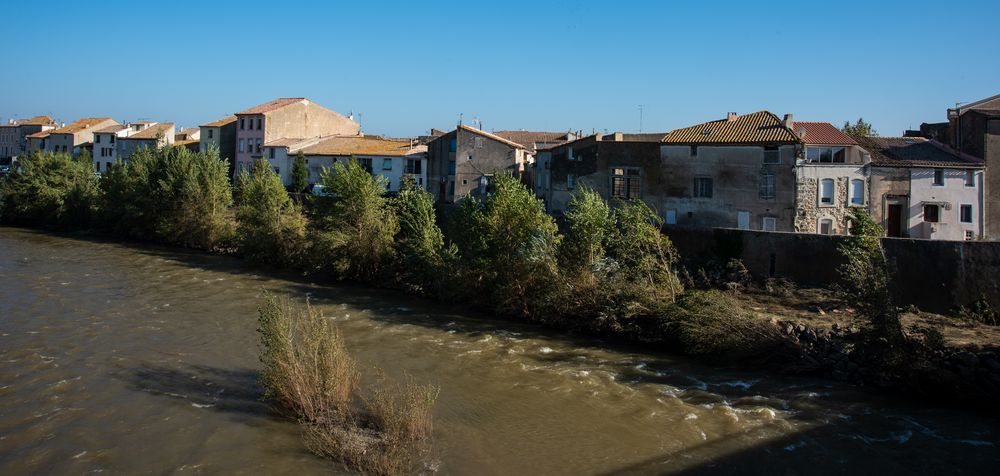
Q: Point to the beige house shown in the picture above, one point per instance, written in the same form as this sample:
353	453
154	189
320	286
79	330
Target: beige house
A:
14	136
394	159
74	137
152	137
285	118
462	162
221	135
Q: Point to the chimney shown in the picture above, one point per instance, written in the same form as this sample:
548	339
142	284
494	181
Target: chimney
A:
618	137
731	117
788	121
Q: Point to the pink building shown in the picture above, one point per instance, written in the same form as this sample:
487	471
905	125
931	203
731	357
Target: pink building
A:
285	118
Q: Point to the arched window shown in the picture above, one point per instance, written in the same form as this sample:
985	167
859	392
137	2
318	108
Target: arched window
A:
825	226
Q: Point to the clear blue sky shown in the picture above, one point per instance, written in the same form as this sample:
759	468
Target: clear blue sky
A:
410	66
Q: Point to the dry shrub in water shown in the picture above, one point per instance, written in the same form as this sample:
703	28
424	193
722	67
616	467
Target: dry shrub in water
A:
307	372
713	323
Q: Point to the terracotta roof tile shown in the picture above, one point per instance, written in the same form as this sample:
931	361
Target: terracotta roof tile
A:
80	124
111	129
528	139
754	128
37	121
152	132
220	122
272	106
821	133
914	152
39	135
362	145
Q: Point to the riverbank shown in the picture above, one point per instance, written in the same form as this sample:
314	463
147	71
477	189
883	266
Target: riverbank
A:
820	337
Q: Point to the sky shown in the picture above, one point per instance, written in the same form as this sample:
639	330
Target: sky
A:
403	68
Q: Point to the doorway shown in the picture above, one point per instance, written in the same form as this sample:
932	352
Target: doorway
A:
894	220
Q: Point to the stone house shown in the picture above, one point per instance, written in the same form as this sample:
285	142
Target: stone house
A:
736	172
975	130
616	166
394	159
830	178
921	188
462	162
285	118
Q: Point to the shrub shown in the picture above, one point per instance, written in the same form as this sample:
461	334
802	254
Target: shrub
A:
589	223
51	190
270	227
356	224
306	369
866	279
644	255
981	311
716	325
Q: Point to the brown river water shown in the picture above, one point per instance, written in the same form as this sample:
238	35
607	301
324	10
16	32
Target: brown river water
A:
128	359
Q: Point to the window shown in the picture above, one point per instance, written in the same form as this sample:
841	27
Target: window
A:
97	166
258	123
451	187
826	192
210	132
939	177
670	217
277	170
970	178
625	182
258	146
366	163
743	220
97	138
413	166
772	155
452	145
570	182
694	151
766	190
112	138
241	145
969	235
271	152
826	226
857	192
386	164
966	213
451	167
702	187
768	223
241	123
107	166
826	155
931	213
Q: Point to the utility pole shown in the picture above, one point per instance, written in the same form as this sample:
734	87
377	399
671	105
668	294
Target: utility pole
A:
640	117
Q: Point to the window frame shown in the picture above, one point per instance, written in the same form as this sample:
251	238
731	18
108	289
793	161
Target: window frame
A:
833	151
766	186
833	192
700	191
772	151
934	178
626	182
856	185
970	178
961	213
765	220
936	214
824	221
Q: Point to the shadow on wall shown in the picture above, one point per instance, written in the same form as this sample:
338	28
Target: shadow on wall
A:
934	275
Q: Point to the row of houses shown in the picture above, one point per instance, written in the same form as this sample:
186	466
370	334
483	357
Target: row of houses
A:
754	171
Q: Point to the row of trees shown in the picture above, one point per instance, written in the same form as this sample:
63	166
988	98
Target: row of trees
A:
608	266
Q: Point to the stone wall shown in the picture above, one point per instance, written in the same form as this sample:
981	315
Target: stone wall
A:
933	275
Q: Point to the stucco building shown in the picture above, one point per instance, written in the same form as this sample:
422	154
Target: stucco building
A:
72	138
975	130
152	137
921	188
393	159
285	118
14	136
463	161
831	178
736	172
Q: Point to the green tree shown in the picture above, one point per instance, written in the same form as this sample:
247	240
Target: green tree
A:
300	175
866	278
419	241
51	190
270	227
644	255
507	246
169	194
859	128
356	224
589	223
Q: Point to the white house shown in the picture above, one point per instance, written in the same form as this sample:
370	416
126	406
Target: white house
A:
831	178
393	159
921	188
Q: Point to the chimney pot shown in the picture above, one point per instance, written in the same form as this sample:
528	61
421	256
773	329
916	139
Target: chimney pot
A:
789	121
731	117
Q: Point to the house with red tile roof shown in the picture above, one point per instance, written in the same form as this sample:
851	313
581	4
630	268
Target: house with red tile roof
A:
285	118
14	136
75	137
831	178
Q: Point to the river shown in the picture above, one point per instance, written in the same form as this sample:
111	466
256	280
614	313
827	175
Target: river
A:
122	358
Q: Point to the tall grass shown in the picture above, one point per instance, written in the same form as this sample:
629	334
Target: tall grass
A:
308	374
